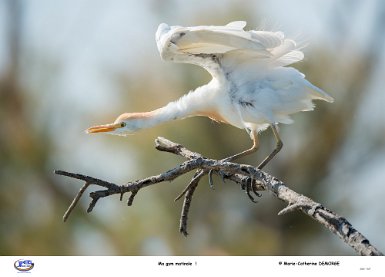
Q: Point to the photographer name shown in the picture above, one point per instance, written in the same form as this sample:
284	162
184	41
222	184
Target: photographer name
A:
319	263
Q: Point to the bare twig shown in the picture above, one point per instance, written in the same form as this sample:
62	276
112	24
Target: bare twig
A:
187	200
75	201
250	178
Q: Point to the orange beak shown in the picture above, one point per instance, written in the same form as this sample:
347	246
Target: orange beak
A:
103	128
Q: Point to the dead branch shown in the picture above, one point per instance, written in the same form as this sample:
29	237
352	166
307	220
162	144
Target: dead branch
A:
250	178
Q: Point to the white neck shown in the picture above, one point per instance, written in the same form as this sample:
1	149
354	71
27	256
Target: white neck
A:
192	104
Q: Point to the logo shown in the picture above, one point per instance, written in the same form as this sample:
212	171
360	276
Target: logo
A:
23	265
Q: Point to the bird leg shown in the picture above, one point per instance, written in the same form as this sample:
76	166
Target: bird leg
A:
254	148
250	186
277	148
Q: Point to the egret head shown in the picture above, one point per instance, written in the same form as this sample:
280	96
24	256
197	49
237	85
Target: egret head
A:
125	124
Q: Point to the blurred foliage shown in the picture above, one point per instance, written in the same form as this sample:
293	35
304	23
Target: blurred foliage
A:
222	221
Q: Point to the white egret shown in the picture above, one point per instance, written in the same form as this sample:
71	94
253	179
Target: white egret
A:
251	87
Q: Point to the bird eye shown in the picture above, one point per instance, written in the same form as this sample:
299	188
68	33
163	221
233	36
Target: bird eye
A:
123	124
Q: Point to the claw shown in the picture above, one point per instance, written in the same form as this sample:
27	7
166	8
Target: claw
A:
223	176
211	183
250	187
254	188
251	197
220	173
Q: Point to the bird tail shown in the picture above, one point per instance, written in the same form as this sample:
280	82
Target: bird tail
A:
317	93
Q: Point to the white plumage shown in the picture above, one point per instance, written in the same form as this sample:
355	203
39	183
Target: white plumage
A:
251	86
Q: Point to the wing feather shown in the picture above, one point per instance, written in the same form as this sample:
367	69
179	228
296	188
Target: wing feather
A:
228	39
181	43
237	25
212	40
289	58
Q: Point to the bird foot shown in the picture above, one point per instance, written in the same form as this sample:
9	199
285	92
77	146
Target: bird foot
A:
251	186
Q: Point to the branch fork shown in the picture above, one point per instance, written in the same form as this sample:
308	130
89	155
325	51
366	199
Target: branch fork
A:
251	180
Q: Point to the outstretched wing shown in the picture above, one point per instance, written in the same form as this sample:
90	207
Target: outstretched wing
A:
184	44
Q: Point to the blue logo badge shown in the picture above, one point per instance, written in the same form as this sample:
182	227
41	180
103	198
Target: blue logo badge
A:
23	265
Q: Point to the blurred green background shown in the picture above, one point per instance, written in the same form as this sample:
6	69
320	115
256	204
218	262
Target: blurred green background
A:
67	65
